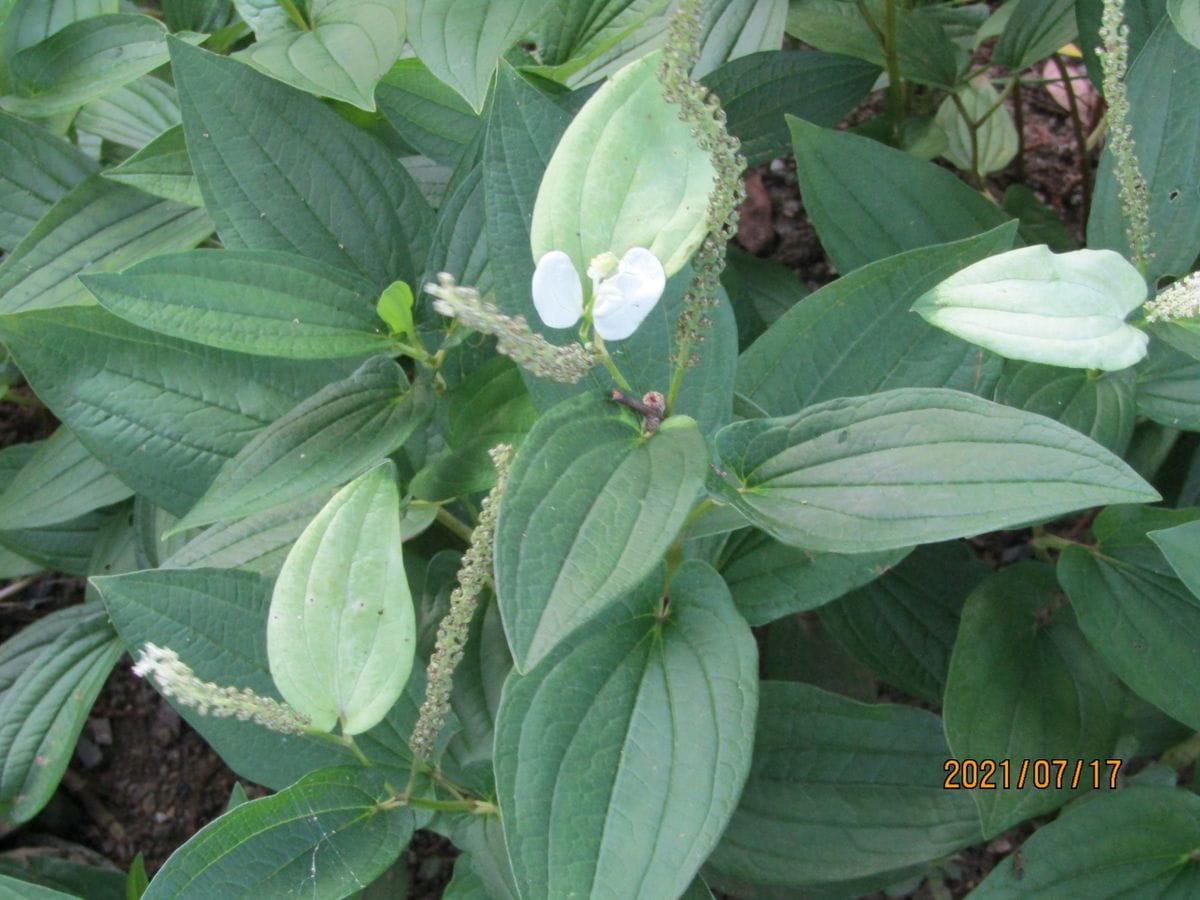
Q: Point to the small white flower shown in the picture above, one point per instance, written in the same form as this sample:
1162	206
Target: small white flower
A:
623	291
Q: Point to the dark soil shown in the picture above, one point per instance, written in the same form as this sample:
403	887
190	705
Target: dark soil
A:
143	782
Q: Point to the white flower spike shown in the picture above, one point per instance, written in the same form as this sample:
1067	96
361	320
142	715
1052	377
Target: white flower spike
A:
624	291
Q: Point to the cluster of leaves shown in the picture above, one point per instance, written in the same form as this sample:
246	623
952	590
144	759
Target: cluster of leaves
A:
274	450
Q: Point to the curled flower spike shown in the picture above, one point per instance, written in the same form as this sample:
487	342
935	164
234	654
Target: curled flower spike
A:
623	291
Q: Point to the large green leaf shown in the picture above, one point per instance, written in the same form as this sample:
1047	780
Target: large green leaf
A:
620	757
61	481
82	61
1168	387
839	790
461	43
160	413
913	466
253	301
756	92
133	115
1161	83
161	168
591	505
43	706
857	336
1016	632
572	35
1138	842
869	201
1140	618
1186	18
903	624
346	48
341	631
36	169
1098	405
326	440
732	29
770	580
326	836
98	226
31	21
320	187
1065	309
216	620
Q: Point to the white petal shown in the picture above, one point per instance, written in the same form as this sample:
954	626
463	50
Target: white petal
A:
557	290
624	301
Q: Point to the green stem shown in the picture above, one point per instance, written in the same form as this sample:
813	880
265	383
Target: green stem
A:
453	523
294	14
677	378
610	364
475	807
1080	137
894	98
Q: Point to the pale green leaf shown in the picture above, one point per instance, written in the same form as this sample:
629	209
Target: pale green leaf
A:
133	114
341	630
1181	546
161	168
627	173
1186	17
995	141
1065	309
348	47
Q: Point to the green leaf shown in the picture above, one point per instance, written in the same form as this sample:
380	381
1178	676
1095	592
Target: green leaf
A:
573	35
1034	31
857	335
61	481
620	757
1186	19
98	226
1065	309
258	543
869	201
252	301
395	307
1179	545
926	54
770	580
760	291
1100	406
162	414
75	879
161	168
591	506
36	169
1168	388
342	631
461	43
84	60
43	706
1148	643
913	466
1016	633
1039	224
345	51
1129	843
756	92
1166	126
216	619
626	173
839	790
325	836
132	115
731	29
17	889
203	16
31	21
903	624
328	439
430	115
995	141
321	188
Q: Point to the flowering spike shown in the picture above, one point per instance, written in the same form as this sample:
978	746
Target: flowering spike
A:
176	679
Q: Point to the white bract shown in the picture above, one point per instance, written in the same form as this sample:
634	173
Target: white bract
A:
623	291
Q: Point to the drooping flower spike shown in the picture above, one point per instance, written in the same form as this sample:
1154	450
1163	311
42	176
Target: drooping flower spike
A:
623	293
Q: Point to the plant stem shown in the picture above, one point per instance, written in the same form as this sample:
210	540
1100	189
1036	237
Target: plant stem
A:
294	14
1085	173
609	363
453	523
